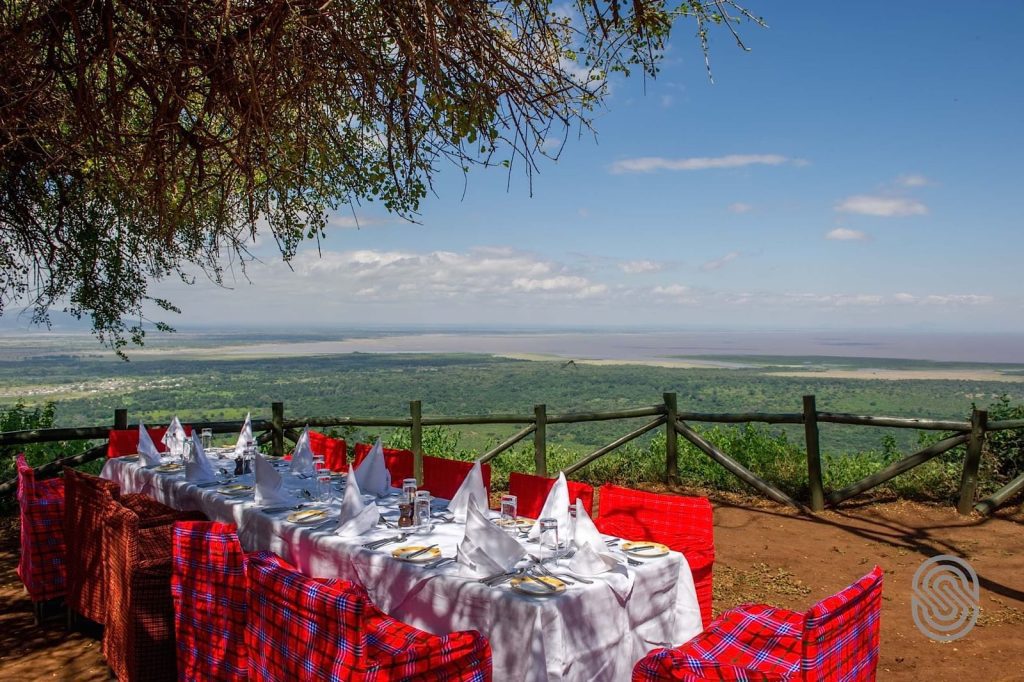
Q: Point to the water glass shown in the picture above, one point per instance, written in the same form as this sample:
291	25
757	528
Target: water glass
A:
424	523
549	544
509	512
186	452
409	489
325	492
206	438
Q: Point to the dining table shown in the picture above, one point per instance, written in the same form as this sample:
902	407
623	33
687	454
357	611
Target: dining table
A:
594	627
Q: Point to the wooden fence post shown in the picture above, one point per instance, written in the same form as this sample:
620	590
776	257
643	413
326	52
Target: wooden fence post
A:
120	419
969	480
817	488
540	440
671	439
277	429
416	439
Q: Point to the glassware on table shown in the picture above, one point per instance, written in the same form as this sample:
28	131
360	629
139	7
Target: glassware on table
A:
206	438
409	486
325	491
550	549
424	523
509	513
249	457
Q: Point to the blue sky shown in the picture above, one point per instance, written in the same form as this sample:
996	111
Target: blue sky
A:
861	166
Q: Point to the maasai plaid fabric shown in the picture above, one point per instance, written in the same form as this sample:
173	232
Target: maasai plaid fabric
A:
684	524
301	629
531	492
398	462
41	515
837	641
442	477
208	586
87	501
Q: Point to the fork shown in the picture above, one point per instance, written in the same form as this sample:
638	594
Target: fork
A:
377	544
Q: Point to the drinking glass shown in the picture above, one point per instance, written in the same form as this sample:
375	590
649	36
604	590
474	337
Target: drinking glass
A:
509	512
323	486
424	524
249	456
549	545
186	452
206	438
409	489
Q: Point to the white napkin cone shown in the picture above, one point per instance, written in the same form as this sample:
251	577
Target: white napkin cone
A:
147	450
269	484
199	469
372	473
472	491
356	517
244	436
302	456
591	557
174	437
586	532
556	506
486	549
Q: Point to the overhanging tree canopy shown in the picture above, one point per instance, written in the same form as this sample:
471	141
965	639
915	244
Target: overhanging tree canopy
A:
142	139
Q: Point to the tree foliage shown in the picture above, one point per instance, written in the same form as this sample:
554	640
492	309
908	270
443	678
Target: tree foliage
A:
150	139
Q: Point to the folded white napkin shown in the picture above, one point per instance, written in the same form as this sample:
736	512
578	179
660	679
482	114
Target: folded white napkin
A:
244	436
588	561
356	517
302	456
556	506
486	549
199	469
472	490
372	472
147	450
586	532
174	437
269	484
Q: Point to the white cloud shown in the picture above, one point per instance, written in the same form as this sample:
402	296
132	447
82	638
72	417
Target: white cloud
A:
650	164
739	207
886	207
844	234
635	267
666	101
912	180
719	263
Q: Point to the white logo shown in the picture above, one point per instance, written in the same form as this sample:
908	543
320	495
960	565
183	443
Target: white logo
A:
946	598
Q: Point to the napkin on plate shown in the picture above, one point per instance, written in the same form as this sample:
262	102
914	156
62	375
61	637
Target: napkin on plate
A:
269	484
472	490
591	557
486	549
556	506
372	472
174	437
302	456
147	450
357	516
244	436
199	469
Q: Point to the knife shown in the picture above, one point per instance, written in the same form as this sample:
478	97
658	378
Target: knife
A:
418	552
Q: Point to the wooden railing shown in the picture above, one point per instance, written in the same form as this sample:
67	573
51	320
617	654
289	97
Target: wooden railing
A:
665	415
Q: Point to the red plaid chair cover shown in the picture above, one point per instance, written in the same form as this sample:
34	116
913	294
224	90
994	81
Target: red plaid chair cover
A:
208	586
836	640
442	477
41	512
87	501
531	492
398	462
126	441
684	524
303	628
138	638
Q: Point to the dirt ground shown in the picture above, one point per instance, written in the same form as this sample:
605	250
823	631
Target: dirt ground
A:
765	553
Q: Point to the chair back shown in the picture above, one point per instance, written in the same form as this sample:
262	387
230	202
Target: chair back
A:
208	585
684	524
126	441
302	628
841	633
398	462
442	477
41	517
87	501
333	450
531	492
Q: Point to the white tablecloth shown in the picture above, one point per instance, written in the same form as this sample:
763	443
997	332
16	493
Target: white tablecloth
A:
589	632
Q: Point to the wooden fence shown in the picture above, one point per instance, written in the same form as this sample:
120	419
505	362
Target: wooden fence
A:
663	415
